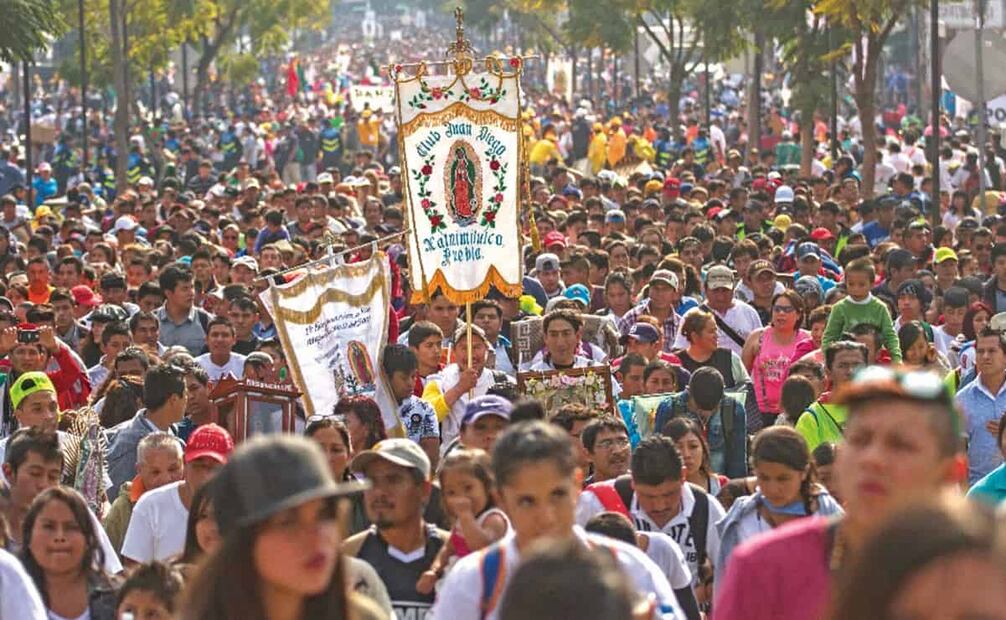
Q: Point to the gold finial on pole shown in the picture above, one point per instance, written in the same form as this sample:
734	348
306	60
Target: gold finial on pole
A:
461	46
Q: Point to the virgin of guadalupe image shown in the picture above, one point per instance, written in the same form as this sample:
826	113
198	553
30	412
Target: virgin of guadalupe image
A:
462	182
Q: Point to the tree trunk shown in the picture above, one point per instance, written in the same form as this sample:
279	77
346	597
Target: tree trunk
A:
866	87
806	141
120	122
674	92
573	75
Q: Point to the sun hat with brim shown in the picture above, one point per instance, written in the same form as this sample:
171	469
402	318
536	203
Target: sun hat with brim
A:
269	474
27	384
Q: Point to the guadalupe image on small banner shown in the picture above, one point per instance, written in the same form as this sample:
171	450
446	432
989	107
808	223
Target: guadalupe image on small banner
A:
333	325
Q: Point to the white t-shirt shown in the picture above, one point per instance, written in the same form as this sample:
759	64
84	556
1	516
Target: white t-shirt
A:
157	528
741	317
84	616
235	366
666	554
677	528
460	594
19	599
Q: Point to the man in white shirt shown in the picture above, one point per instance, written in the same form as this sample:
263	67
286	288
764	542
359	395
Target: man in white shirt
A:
221	362
157	528
740	317
538	483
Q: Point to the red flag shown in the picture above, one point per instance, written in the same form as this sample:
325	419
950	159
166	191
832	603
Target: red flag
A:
292	79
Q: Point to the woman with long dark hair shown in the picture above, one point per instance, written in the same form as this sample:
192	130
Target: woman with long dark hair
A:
691	443
62	554
279	558
787	490
201	534
362	418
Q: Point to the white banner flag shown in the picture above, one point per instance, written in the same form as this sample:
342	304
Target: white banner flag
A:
375	97
461	150
333	324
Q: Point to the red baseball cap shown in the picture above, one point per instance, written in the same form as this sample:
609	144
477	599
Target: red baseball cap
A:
821	234
209	440
555	238
713	212
84	295
672	187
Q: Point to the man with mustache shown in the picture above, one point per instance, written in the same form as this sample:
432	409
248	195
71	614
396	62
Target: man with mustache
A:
400	545
607	442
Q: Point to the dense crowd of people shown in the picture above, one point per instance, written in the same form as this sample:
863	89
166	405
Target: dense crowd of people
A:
806	380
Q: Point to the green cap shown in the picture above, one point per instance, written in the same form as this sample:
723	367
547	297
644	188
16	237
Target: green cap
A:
29	383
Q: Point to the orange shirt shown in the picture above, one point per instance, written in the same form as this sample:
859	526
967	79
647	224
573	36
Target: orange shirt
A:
39	297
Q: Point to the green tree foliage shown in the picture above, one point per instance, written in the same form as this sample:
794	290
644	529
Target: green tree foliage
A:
869	23
28	26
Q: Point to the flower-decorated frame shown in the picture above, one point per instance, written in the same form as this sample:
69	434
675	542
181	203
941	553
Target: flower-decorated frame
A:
589	386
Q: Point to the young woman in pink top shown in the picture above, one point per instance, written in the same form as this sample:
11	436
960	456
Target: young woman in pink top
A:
769	351
902	442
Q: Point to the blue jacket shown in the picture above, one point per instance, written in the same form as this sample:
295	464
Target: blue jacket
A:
729	526
725	457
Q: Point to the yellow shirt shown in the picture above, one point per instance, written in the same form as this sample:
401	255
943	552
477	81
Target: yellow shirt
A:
597	152
616	147
543	151
368	130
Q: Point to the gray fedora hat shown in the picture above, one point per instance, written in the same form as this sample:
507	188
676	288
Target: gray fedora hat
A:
269	474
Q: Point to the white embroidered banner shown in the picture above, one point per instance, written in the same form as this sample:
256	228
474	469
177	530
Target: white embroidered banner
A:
461	150
333	324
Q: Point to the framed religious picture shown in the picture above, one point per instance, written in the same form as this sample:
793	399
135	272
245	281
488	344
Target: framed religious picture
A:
528	338
644	412
590	386
245	407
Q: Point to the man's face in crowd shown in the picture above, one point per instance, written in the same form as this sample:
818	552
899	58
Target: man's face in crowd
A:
480	353
115	344
198	402
373	213
242	274
947	270
619	258
910	308
661	502
202	269
662	295
243	321
953	319
220	340
159	467
115	295
146	333
916	241
490	322
845	364
482	433
763	284
27	357
443	313
720	297
648	350
39	410
33	476
691	254
129	367
983	249
63	313
611	454
395	498
135	275
989	357
200	471
402	384
1000	268
270	258
549	280
561	338
572	275
660	382
632	381
182	296
428	351
68	276
540	501
38	275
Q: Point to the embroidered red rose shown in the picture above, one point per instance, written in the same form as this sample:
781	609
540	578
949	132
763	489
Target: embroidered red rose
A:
435	221
494	164
490	216
398	68
499	197
474	92
427	170
426	203
437	92
515	62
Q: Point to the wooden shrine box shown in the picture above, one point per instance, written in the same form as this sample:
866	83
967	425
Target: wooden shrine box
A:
245	407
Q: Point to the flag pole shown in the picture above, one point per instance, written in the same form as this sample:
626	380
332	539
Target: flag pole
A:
468	340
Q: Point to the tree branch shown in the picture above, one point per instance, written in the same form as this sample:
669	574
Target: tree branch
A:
656	40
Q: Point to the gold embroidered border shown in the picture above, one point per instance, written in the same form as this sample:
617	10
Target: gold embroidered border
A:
324	276
460	110
458	296
306	317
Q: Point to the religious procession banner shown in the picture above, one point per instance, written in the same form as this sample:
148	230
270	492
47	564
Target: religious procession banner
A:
461	149
376	98
333	326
